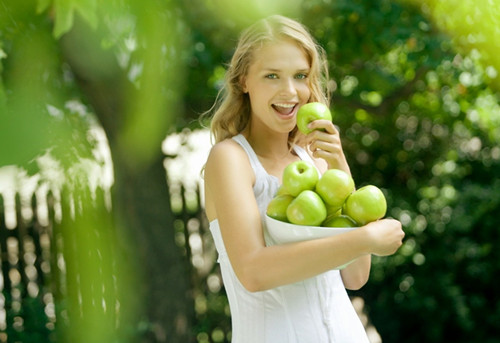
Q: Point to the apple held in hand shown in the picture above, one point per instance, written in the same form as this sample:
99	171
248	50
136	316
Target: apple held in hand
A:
310	112
339	221
365	205
334	187
306	209
278	205
299	176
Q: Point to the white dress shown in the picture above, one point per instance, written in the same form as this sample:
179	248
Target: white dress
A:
316	310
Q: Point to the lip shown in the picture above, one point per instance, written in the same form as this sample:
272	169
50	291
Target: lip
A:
295	106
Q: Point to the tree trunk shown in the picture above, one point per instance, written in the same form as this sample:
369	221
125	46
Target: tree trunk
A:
142	205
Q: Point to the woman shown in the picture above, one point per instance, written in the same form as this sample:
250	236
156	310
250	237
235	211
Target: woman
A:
281	293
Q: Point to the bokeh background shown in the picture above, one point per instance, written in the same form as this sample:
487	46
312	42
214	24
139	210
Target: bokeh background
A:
102	231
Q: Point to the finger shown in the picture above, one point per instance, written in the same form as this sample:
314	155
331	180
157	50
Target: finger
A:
318	135
321	138
332	146
327	156
323	124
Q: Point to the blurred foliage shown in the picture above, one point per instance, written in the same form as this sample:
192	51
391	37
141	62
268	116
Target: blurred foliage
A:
37	109
68	66
415	94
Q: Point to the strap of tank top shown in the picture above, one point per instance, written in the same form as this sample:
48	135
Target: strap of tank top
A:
254	160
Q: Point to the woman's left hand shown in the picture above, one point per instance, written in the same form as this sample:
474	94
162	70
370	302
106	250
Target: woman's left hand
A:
324	142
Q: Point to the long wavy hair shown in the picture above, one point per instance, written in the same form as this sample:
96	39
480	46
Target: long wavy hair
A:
231	111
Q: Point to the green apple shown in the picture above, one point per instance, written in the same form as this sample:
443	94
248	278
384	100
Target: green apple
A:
310	112
334	187
339	221
306	209
282	190
299	176
332	211
365	205
277	207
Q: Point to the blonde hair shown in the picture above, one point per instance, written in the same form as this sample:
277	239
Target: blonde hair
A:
231	111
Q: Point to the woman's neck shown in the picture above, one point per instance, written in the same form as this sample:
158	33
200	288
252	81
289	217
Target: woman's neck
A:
266	145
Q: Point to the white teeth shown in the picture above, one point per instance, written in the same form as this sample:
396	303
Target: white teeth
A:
285	105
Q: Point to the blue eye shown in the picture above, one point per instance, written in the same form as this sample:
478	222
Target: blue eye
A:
271	76
301	76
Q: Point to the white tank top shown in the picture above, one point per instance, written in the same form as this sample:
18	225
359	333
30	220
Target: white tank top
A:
316	310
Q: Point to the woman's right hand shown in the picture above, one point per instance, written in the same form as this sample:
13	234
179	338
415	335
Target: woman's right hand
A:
386	236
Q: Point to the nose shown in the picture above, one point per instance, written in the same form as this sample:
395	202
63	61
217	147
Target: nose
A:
288	86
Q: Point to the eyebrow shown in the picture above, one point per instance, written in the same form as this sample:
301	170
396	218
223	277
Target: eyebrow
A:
278	70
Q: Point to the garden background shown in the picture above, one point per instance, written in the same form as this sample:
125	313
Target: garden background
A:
102	233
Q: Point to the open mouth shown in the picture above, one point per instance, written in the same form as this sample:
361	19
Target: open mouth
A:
285	109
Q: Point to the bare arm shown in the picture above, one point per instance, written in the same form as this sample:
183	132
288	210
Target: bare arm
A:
229	180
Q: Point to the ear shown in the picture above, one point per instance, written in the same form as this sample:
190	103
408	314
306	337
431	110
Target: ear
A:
243	84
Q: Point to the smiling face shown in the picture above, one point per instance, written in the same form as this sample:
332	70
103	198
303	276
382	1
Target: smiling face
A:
277	85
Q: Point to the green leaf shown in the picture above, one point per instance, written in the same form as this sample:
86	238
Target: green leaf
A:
42	5
88	10
64	14
63	17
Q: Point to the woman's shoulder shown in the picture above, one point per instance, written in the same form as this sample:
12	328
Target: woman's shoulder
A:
227	169
227	153
227	148
228	166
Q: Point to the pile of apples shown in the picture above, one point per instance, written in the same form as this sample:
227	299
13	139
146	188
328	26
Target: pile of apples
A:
329	200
